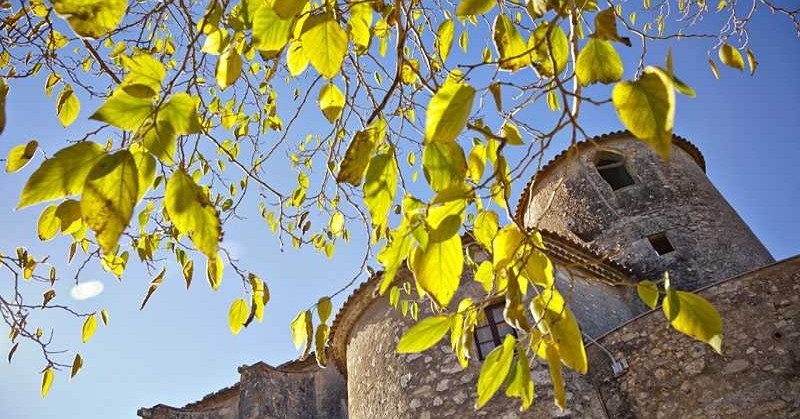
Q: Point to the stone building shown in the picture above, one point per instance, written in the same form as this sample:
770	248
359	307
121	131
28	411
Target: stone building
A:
611	211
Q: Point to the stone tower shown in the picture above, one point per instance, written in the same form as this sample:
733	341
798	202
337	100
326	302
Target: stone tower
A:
613	193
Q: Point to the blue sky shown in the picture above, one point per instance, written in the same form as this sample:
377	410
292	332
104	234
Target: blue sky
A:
179	348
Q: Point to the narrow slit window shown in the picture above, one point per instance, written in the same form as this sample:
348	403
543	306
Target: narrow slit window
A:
661	244
491	334
612	169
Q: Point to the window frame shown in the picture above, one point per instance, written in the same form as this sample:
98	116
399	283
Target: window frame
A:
611	167
657	242
494	321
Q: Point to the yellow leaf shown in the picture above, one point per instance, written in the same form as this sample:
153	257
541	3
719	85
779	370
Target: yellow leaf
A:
20	155
550	49
554	317
380	186
474	7
329	41
180	112
443	165
647	108
192	213
324	309
124	111
731	57
229	68
302	330
47	380
154	284
554	367
288	9
104	316
449	109
359	152
751	61
89	327
648	292
494	370
510	45
109	196
296	58
360	22
437	269
144	77
331	102
444	38
320	339
214	270
67	106
92	18
598	62
692	315
146	170
521	385
270	31
159	139
237	315
77	364
62	175
3	96
423	335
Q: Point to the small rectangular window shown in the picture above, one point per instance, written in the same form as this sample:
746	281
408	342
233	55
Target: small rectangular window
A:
661	244
491	334
614	173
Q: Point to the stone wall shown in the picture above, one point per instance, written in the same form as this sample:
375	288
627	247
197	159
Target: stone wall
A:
674	376
710	239
265	392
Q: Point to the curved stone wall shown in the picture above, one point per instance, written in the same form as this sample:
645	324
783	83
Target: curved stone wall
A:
711	241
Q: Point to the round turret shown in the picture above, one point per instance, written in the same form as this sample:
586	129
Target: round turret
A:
615	194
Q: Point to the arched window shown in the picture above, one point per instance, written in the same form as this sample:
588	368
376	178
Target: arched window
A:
611	167
492	333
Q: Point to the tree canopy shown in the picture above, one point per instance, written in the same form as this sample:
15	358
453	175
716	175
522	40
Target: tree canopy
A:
178	115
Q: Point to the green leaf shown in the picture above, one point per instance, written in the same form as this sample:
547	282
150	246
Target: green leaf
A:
549	52
48	224
180	112
494	370
77	364
474	7
324	309
270	31
62	175
109	196
144	77
91	18
731	57
329	41
69	216
444	165
124	111
359	152
437	268
553	315
302	331
237	315
510	45
692	315
647	108
192	212
67	106
380	186
331	102
648	292
521	385
47	380
89	327
449	109
229	68
20	155
598	62
444	38
423	335
146	170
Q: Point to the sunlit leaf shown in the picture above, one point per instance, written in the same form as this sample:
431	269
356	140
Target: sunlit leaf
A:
324	309
438	268
320	339
606	27
47	380
554	367
180	112
550	49
510	45
124	111
648	292
692	315
598	62
444	38
359	152
448	110
192	213
329	41
229	68
443	164
109	196
270	31
331	102
647	108
67	106
380	186
494	370
144	77
3	96
77	364
731	57
237	315
20	155
521	385
474	7
154	284
423	335
751	62
89	327
91	18
302	331
360	22
554	317
48	225
296	59
62	175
